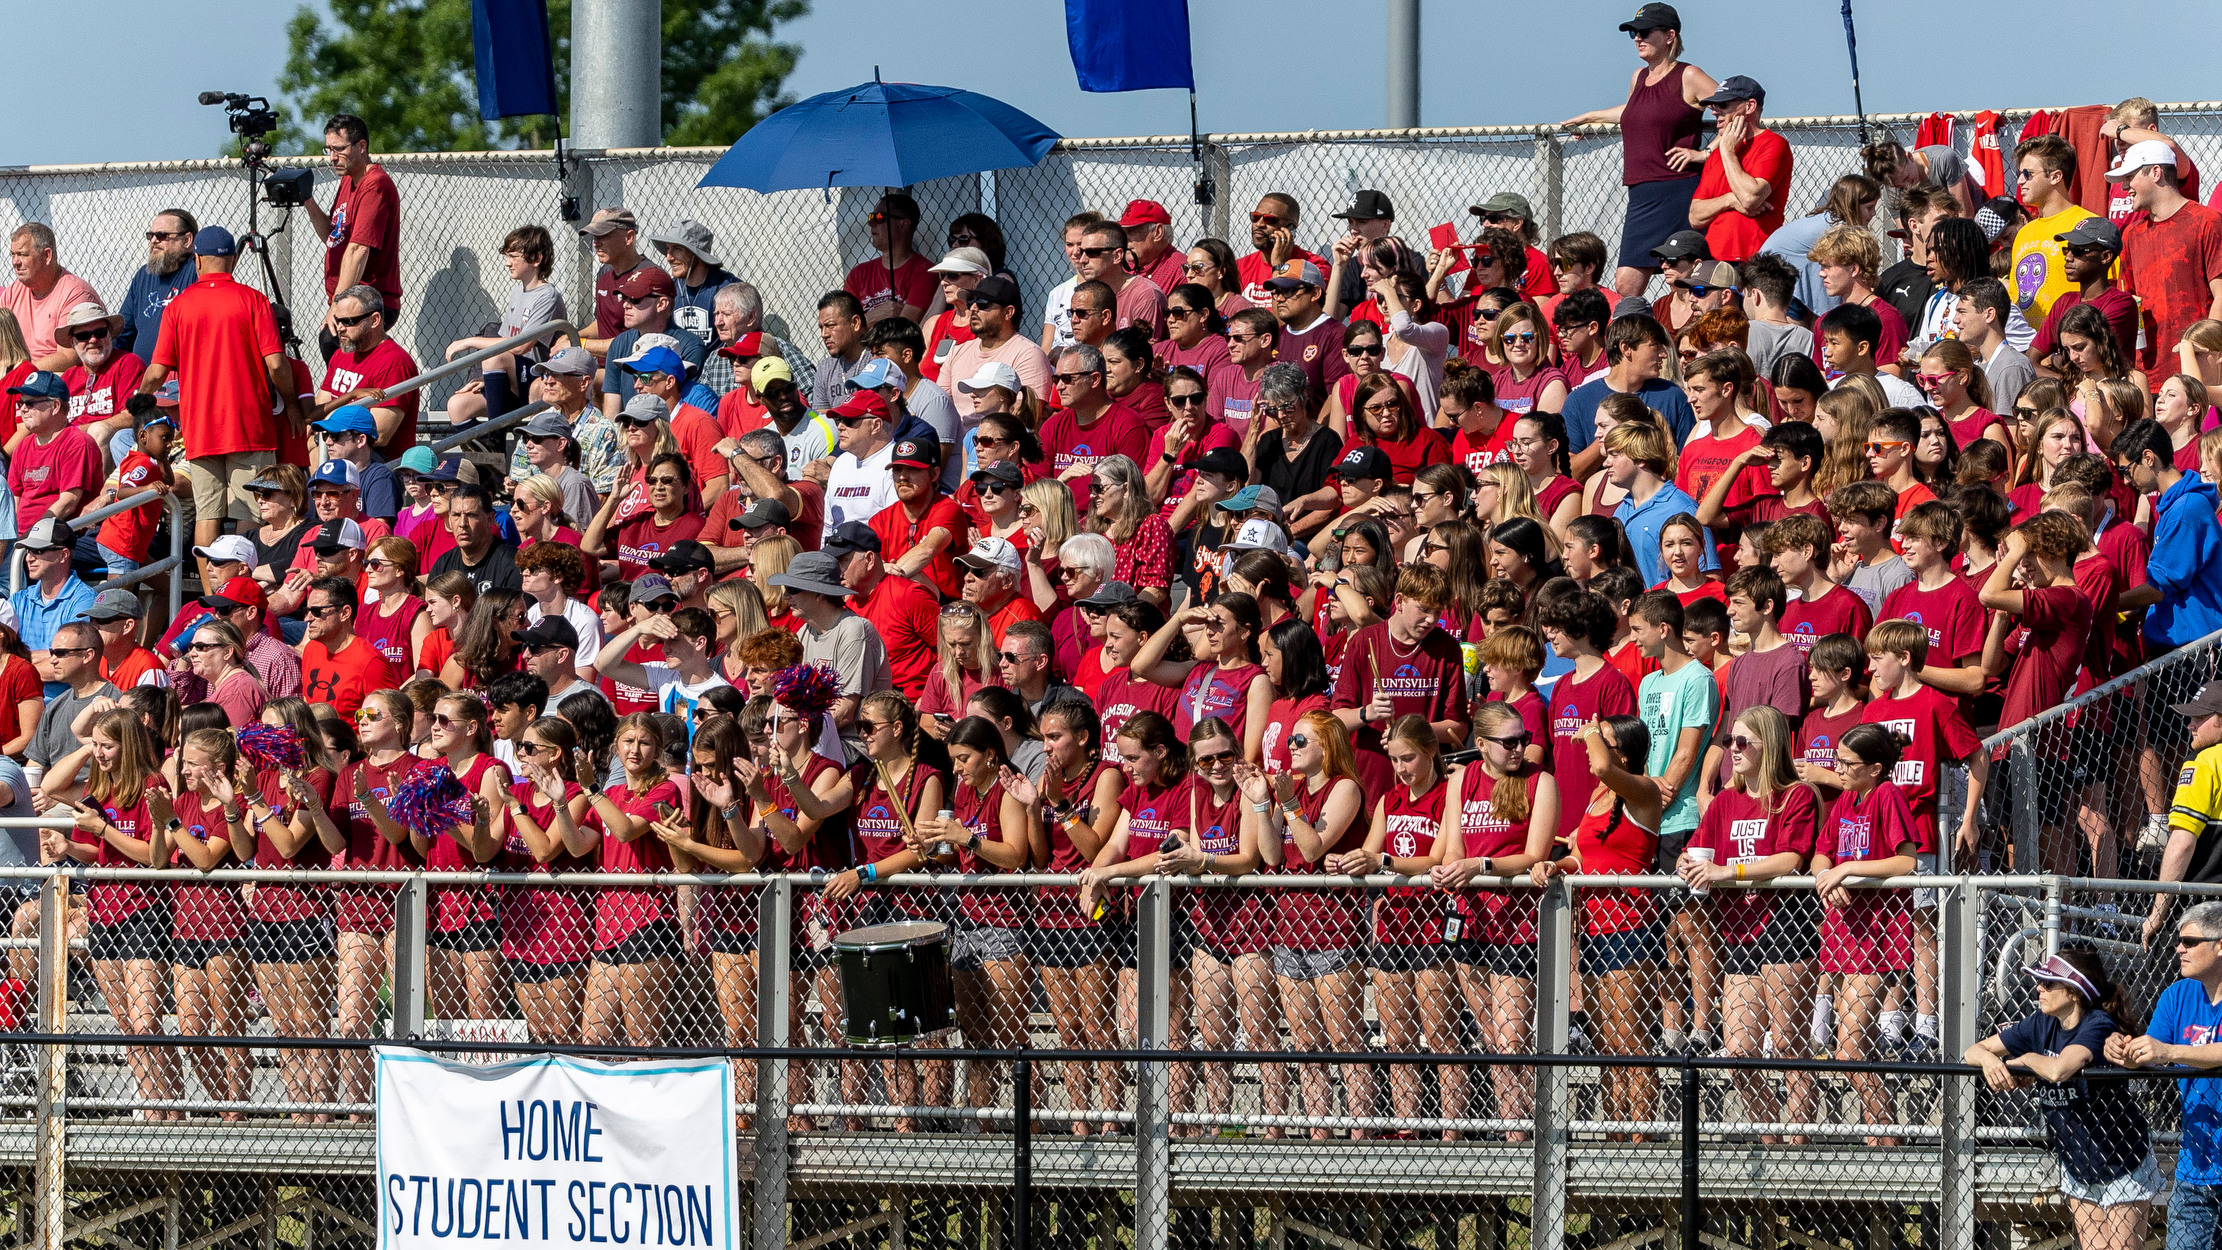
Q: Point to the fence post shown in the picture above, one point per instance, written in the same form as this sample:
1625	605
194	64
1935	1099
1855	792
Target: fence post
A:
1550	178
409	912
774	1014
1219	167
2052	916
1022	1153
54	1060
1961	980
1693	1084
1153	936
2021	764
1554	940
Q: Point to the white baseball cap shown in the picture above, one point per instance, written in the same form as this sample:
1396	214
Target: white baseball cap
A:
992	373
964	260
991	553
1258	534
231	548
2140	154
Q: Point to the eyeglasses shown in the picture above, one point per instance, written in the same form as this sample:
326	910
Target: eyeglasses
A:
338	149
1192	267
1518	336
1216	757
89	336
1365	349
1738	742
962	238
1093	252
353	321
1264	219
1192	399
1070	573
1299	741
164	236
1878	448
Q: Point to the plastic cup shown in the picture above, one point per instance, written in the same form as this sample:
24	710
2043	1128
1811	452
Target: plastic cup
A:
1703	855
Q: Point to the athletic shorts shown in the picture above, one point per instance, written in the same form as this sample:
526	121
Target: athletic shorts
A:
979	945
478	935
194	953
140	935
535	974
658	939
290	941
1299	964
1391	958
1505	959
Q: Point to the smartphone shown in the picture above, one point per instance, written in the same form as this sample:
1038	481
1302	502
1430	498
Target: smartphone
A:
663	811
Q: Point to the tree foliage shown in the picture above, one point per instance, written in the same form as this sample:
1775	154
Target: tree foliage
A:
405	67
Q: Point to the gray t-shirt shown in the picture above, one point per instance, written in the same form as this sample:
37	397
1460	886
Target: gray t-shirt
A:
1947	168
52	739
526	309
858	658
2007	371
580	503
1770	342
17	846
1874	582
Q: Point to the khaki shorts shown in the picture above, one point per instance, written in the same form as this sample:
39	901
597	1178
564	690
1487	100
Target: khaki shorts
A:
220	484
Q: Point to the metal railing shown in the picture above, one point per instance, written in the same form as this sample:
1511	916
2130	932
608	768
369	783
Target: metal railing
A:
89	523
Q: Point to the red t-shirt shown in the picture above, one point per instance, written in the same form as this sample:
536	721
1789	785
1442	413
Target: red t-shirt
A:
1954	618
95	399
899	533
1840	611
1479	451
905	616
1427	678
641	539
18	682
1705	458
913	281
1932	720
1732	236
1819	733
697	434
2121	317
127	533
1423	447
1574	704
2048	644
1119	431
386	365
215	335
2167	265
367	212
343	679
1742	830
2128	547
1122	694
40	473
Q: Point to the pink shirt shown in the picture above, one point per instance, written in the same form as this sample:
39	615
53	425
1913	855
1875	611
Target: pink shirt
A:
1024	357
38	317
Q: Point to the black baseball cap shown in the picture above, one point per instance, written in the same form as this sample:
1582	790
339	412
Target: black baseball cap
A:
2093	232
1683	244
685	556
995	289
760	514
850	537
1226	462
1734	88
1001	471
551	631
1653	17
1368	205
1363	461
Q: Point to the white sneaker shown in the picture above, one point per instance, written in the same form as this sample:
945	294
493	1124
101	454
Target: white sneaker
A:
2154	836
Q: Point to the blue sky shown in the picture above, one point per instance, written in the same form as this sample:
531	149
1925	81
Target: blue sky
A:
1482	63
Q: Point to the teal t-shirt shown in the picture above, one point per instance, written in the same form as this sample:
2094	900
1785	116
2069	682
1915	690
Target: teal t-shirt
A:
1668	705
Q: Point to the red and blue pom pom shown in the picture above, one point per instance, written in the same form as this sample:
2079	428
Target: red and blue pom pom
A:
807	690
430	802
271	746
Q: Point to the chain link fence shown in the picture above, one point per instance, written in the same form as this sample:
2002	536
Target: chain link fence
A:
794	246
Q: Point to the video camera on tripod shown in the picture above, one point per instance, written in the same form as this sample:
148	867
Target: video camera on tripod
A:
252	119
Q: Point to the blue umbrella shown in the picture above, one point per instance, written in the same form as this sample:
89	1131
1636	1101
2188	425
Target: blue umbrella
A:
881	135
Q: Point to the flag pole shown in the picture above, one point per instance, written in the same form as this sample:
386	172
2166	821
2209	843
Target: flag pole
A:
1851	45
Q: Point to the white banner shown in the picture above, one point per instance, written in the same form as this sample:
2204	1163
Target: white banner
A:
555	1151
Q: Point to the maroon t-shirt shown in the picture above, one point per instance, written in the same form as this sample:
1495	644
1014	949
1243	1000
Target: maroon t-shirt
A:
1954	618
1819	733
2121	318
1840	611
2048	648
1317	351
367	212
1426	678
1573	705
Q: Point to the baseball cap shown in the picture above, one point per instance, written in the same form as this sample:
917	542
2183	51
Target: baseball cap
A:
50	534
964	260
1993	216
1001	471
1362	462
1295	273
992	373
2208	702
167	395
339	473
991	553
685	556
114	605
348	419
995	289
1736	87
644	409
747	347
574	362
450	469
646	281
1110	595
861	404
814	571
760	514
1145	213
609	219
877	373
2093	232
1712	273
333	537
239	592
1258	534
1368	205
550	631
41	385
656	360
1632	306
1504	202
418	459
2140	154
1251	497
850	537
1226	462
1683	243
548	425
767	370
214	241
649	587
1653	17
691	235
2058	970
229	549
916	453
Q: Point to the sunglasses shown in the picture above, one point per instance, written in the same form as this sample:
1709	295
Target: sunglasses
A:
1092	252
440	720
1699	290
1738	742
1931	381
1513	742
873	726
1193	399
89	336
1375	350
1299	741
661	607
362	317
1381	409
663	481
321	612
2188	942
1491	314
850	423
1089	312
1008	658
1072	379
164	236
91	650
1216	757
1193	267
198	646
882	218
1875	448
1519	336
1264	219
995	488
1171	312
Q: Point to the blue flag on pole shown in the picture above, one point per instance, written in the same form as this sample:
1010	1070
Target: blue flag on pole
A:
1129	45
516	69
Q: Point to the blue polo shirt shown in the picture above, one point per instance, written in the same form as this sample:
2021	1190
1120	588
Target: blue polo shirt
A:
1643	523
1580	411
37	617
2184	1017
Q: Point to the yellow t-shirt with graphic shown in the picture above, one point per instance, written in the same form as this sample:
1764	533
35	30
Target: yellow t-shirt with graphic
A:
2038	277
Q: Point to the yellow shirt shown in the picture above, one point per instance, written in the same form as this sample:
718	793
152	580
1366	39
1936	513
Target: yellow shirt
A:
2038	277
2197	807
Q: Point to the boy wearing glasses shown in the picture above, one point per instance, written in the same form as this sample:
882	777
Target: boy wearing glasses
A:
1889	450
2043	167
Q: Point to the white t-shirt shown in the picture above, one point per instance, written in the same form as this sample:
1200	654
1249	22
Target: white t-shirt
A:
856	490
1898	391
1057	313
585	620
676	697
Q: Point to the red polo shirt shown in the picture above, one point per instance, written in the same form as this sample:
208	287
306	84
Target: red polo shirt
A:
215	335
905	616
1020	608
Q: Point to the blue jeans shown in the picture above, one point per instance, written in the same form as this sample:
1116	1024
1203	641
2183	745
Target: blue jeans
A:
2194	1211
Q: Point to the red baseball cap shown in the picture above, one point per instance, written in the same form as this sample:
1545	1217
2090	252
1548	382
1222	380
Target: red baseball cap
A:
862	404
646	281
1145	213
744	347
239	592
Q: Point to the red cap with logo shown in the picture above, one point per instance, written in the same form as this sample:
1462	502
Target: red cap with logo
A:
239	592
646	281
1145	213
746	347
862	404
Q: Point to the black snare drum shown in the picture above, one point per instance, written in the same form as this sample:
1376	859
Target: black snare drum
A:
895	982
